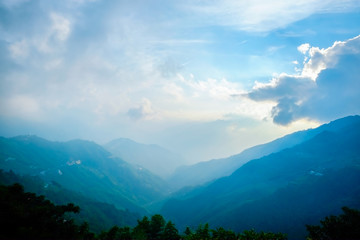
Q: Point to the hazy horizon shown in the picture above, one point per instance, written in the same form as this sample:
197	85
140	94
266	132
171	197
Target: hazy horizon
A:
204	79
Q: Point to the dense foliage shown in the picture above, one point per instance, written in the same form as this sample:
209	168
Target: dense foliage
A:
156	228
99	215
344	226
27	216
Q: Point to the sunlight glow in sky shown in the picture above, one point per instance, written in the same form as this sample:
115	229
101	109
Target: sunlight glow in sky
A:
203	78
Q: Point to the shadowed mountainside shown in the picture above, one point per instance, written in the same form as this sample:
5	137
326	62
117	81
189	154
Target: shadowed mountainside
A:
282	191
204	172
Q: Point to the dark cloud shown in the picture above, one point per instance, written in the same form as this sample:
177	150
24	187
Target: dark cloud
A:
334	93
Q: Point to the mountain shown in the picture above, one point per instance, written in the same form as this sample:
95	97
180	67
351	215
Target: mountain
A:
208	171
100	216
83	167
282	191
156	159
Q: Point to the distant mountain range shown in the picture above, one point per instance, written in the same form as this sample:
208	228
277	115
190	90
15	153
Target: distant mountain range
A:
279	186
282	191
83	167
156	159
204	172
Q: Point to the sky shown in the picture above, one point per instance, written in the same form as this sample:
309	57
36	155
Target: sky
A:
206	79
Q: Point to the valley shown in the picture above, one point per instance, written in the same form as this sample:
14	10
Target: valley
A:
279	187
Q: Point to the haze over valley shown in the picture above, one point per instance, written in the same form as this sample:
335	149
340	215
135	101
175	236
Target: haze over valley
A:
180	119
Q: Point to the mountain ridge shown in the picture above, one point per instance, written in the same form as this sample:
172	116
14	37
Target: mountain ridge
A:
329	152
107	178
211	170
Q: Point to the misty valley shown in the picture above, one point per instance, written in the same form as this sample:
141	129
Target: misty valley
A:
285	189
179	120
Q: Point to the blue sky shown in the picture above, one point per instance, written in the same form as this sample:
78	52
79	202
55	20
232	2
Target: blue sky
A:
202	78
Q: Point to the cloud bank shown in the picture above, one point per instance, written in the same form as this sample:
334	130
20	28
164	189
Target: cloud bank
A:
327	88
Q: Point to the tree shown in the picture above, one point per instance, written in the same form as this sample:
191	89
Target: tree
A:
27	216
203	232
84	231
187	233
142	229
344	226
157	225
124	233
170	232
253	235
222	234
113	233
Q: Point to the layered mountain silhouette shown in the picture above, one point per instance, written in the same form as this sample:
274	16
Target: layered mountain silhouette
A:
279	186
98	214
282	191
156	159
204	172
83	167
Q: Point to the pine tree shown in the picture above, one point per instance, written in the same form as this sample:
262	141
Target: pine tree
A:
170	232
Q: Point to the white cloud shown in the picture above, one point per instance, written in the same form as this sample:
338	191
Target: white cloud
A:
328	87
53	34
174	90
12	3
218	89
210	99
60	26
304	48
100	71
321	59
48	38
263	15
144	111
19	50
21	106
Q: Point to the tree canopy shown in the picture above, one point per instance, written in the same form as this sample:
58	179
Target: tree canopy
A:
27	216
344	226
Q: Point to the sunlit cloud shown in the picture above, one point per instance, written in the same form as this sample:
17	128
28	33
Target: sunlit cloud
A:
327	88
144	111
304	48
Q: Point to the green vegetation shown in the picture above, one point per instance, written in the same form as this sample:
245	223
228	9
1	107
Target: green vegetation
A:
281	192
156	228
344	226
84	167
25	215
99	215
